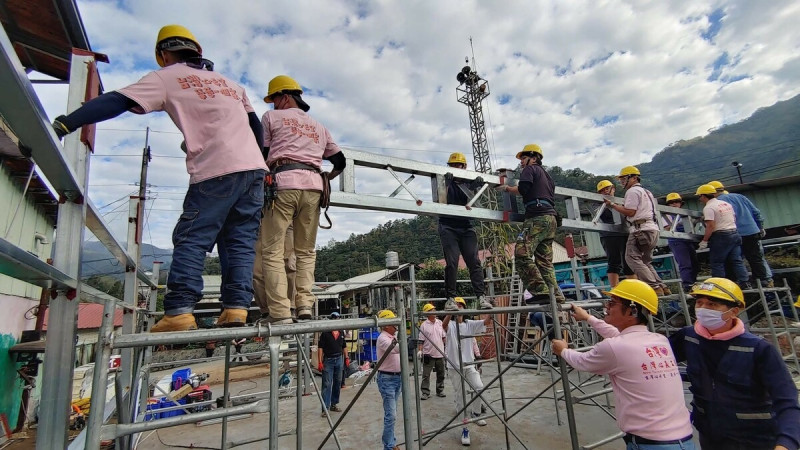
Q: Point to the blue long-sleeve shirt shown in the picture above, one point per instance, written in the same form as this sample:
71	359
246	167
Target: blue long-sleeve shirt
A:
748	217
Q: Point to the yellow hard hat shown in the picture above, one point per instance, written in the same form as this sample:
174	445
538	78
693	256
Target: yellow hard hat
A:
706	189
797	303
603	184
717	185
184	40
428	307
638	292
460	300
281	83
720	288
457	158
672	196
386	314
628	170
530	148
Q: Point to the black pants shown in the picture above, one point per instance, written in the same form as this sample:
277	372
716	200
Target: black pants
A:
731	443
432	364
463	242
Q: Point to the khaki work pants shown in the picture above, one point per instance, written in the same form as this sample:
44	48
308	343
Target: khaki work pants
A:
639	256
300	210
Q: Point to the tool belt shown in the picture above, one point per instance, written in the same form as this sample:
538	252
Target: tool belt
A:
539	202
286	164
639	222
270	190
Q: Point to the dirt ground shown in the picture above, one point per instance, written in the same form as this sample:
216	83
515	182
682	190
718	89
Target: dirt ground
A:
536	425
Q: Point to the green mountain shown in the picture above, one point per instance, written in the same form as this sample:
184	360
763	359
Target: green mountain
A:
767	145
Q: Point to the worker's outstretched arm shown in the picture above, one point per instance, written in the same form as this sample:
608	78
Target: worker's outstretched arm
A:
258	129
104	107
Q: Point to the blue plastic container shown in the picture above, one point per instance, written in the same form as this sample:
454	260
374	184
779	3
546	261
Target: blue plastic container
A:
369	353
369	334
180	377
166	403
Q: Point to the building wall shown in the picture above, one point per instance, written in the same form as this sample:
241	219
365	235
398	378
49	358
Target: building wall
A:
16	297
15	318
29	220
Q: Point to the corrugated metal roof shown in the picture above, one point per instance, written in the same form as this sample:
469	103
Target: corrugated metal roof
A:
364	280
90	315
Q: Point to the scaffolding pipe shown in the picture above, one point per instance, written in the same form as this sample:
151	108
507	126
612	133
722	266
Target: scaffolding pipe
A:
226	399
300	375
100	378
259	330
113	431
562	365
412	308
274	372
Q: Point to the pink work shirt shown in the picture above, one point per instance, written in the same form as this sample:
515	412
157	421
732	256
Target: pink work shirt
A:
211	112
392	363
293	134
432	336
641	200
644	375
721	213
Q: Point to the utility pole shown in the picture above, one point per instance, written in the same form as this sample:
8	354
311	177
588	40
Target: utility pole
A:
738	166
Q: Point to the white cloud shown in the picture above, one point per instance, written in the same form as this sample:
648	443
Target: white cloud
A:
596	84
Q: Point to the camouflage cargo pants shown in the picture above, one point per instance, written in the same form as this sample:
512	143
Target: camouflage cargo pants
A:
533	256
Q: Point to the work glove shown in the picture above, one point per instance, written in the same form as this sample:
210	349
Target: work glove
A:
703	245
448	178
476	184
761	233
419	354
347	362
319	366
60	128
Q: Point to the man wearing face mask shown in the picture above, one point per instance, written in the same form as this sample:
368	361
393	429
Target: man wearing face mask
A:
644	374
743	393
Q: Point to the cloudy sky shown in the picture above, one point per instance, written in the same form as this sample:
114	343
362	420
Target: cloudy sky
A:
597	85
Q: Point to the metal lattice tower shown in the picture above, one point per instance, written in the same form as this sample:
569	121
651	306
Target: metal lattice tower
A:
471	91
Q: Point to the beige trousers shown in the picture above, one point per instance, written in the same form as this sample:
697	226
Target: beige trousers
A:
299	210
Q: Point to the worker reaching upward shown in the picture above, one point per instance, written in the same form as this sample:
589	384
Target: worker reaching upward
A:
223	138
639	210
613	243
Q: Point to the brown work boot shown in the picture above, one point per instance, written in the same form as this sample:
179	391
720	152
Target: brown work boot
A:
666	290
180	322
232	318
659	291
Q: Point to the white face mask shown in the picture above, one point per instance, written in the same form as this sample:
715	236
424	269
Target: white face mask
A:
710	319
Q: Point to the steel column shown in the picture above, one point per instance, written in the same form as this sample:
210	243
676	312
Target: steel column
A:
59	359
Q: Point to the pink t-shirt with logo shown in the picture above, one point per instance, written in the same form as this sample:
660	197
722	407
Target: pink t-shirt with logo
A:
642	201
293	134
721	213
644	375
211	112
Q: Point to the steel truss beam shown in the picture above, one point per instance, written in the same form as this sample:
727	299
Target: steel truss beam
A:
581	206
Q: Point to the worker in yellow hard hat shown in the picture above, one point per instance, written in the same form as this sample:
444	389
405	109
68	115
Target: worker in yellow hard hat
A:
389	378
682	250
533	254
743	395
644	374
639	210
721	238
460	358
294	146
750	226
613	243
431	351
223	140
458	236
